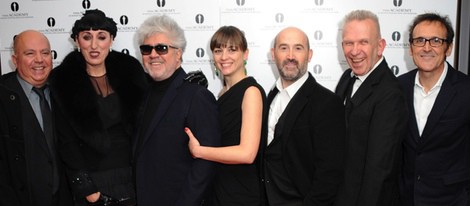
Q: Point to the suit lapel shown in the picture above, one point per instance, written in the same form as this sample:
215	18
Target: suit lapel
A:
31	128
165	103
271	95
341	92
445	96
297	103
409	93
366	88
343	84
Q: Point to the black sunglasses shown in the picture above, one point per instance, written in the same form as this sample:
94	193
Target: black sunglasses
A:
161	49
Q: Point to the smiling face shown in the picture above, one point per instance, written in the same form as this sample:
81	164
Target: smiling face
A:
161	67
427	58
94	46
32	57
362	45
230	60
291	53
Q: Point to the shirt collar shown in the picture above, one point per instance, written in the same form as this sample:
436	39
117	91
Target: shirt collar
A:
438	83
27	87
294	87
364	77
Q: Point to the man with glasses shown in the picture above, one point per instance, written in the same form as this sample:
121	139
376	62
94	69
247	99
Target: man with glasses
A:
436	167
166	173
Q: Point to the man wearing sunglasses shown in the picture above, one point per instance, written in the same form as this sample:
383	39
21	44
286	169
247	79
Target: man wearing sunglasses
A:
436	167
166	173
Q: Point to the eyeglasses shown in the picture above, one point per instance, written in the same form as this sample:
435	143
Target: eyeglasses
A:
161	49
434	42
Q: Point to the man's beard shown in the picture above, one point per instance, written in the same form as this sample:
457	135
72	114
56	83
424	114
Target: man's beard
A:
299	72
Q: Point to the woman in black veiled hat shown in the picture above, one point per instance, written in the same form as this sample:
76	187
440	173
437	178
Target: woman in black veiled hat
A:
99	91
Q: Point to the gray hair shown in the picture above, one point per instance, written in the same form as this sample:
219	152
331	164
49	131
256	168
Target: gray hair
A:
162	25
360	15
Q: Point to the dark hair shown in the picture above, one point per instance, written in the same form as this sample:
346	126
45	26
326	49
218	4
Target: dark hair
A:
94	20
433	17
229	35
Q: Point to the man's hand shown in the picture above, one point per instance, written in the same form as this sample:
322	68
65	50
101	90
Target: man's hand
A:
196	77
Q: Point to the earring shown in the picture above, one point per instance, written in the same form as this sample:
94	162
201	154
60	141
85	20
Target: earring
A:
244	63
78	49
216	72
110	49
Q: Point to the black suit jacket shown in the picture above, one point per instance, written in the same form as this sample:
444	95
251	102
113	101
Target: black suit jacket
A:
25	162
436	168
166	172
312	132
376	120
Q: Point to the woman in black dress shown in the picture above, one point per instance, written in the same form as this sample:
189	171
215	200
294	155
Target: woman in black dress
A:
99	92
241	107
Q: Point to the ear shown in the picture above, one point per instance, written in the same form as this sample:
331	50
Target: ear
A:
179	54
381	45
272	53
449	49
310	54
245	54
14	59
76	42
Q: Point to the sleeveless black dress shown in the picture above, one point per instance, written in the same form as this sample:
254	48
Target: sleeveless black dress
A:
236	184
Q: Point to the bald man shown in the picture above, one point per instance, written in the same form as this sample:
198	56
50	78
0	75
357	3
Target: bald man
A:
30	171
303	154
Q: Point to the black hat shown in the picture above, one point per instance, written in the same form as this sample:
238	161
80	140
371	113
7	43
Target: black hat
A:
94	20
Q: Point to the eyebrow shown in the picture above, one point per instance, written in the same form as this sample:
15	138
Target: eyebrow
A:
295	45
100	32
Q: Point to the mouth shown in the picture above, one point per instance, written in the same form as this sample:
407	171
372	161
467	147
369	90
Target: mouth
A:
155	63
224	65
290	64
94	54
357	60
427	56
39	68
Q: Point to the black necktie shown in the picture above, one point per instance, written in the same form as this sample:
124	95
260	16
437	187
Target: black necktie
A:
47	129
349	90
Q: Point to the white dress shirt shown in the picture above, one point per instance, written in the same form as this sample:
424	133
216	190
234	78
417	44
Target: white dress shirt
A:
280	102
423	102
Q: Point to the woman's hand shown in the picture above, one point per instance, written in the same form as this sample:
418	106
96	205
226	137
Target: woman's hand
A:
193	143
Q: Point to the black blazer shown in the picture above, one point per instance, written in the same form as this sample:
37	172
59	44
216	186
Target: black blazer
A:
376	120
166	173
25	161
436	167
312	132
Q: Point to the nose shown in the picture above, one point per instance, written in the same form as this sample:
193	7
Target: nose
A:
355	49
38	57
290	54
94	43
223	55
427	46
153	53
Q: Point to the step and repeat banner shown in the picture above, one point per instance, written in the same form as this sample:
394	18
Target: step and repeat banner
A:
261	20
